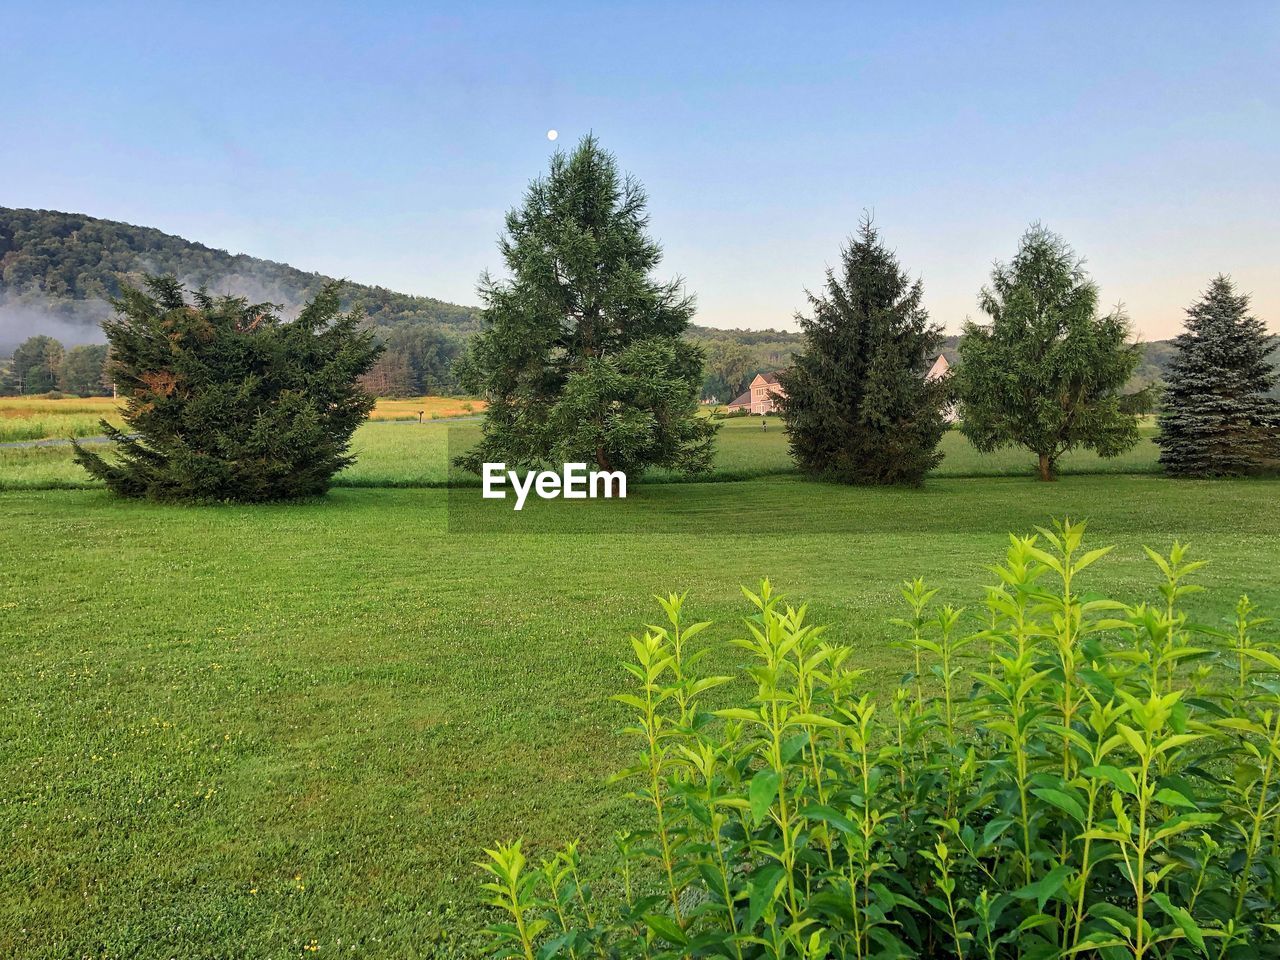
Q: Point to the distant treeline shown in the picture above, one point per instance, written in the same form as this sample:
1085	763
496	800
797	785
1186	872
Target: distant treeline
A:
41	364
58	271
734	357
416	361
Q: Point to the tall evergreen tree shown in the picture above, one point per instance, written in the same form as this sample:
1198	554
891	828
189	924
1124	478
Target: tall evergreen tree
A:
858	408
581	357
225	401
1218	419
1047	372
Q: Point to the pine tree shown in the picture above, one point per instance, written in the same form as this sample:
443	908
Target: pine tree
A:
1218	419
858	408
581	358
1047	372
225	401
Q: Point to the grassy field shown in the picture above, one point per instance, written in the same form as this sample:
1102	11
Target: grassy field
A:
354	695
41	418
308	751
431	408
37	418
400	454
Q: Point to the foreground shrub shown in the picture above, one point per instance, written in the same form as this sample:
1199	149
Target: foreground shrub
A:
225	401
1060	774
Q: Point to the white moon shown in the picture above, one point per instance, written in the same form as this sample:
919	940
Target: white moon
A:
552	134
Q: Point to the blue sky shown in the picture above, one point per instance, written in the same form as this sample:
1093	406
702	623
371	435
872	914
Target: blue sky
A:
384	141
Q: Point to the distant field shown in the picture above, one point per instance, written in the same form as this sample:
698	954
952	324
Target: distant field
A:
39	418
429	407
391	454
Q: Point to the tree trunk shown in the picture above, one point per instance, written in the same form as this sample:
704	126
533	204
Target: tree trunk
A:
602	459
1047	467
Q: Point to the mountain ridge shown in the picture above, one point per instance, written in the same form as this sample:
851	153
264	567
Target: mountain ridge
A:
68	265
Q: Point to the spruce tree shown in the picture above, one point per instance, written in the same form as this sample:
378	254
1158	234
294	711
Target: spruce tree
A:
858	408
225	401
1217	417
1047	372
581	358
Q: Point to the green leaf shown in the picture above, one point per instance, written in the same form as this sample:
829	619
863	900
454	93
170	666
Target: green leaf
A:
666	928
994	828
1174	799
1182	823
813	720
764	886
1122	780
552	948
1175	741
735	713
793	745
1183	919
1117	917
1263	656
764	790
1243	725
1092	556
827	815
1047	886
1134	739
1063	801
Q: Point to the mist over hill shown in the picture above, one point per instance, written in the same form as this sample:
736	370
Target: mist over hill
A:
57	271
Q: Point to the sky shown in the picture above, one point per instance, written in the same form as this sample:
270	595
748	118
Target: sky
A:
384	141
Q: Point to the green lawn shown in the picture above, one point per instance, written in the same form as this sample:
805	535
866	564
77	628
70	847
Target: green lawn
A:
238	731
409	454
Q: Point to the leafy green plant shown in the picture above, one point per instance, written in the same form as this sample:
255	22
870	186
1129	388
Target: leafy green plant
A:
1060	774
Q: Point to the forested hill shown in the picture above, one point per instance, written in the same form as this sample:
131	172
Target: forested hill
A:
58	269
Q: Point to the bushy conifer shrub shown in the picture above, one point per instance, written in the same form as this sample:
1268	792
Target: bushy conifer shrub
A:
223	400
1059	775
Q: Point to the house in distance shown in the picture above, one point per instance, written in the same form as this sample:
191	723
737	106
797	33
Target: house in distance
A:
765	389
759	395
